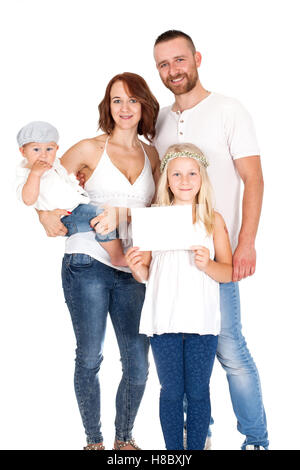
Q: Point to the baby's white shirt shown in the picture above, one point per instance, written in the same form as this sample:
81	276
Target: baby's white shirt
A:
58	189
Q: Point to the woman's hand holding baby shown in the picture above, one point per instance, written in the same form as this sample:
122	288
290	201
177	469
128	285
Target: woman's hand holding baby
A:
51	222
105	222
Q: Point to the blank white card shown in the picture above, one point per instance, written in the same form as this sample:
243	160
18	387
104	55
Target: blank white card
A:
164	228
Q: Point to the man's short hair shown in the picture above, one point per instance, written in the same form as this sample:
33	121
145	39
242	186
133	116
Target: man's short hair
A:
173	34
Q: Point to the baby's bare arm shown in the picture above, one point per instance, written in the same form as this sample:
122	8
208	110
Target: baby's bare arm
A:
31	188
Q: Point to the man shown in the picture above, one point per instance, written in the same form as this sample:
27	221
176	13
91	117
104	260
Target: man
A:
223	130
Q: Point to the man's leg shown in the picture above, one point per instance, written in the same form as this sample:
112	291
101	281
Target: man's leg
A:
241	371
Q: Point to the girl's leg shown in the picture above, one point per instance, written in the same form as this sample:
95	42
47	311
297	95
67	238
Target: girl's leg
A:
168	355
125	308
199	356
86	284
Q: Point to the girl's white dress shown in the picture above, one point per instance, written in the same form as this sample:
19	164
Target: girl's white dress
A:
180	298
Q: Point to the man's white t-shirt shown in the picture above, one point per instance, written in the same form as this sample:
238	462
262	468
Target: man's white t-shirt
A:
223	130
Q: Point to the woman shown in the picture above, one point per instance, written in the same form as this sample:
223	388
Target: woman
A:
120	171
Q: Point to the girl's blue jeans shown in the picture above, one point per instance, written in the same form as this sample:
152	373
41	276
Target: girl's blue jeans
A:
242	374
79	221
184	364
91	290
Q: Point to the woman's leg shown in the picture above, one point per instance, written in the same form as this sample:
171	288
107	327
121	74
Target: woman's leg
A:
86	284
125	307
199	355
168	355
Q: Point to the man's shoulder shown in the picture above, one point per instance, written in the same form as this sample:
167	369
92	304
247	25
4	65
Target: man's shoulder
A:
226	103
165	110
163	118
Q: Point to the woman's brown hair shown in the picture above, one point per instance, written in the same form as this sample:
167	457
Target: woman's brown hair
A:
136	87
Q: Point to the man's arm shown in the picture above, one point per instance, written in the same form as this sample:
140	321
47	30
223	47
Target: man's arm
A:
244	258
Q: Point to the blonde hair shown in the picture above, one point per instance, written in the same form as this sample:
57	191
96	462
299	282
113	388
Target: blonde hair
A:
203	200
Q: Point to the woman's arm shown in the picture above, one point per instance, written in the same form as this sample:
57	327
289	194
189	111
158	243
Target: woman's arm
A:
50	220
81	155
155	165
219	269
139	262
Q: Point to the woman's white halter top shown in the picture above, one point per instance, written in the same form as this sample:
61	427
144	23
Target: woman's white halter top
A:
109	186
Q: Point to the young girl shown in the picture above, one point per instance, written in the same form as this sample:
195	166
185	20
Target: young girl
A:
181	312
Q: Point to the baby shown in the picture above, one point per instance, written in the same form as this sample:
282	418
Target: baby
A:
42	182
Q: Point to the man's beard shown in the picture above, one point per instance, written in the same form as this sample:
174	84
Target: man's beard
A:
189	84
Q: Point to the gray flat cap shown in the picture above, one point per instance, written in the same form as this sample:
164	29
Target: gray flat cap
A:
37	131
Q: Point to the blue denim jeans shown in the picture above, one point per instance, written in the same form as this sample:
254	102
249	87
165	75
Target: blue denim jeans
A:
241	371
184	364
91	290
79	221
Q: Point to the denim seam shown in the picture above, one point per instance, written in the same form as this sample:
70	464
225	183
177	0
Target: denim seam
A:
127	388
90	440
242	346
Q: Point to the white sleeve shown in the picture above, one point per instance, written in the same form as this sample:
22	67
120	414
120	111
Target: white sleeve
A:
19	183
240	132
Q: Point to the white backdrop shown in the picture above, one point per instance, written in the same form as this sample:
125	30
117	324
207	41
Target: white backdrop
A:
57	57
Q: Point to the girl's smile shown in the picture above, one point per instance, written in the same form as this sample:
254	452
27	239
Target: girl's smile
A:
184	179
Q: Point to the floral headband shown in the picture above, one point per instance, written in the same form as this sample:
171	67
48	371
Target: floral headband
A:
170	156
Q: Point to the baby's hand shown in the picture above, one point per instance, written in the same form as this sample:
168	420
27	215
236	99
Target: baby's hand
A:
201	257
40	167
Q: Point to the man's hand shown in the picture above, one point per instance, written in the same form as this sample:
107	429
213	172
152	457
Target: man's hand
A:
244	261
51	222
81	178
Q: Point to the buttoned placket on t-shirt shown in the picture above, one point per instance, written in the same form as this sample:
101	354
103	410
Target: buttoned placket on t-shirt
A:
181	125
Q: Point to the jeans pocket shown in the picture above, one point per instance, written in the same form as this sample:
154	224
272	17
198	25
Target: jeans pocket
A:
81	260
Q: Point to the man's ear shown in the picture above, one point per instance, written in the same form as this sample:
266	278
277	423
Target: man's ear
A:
198	58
